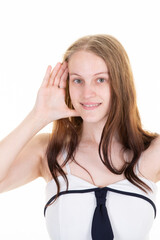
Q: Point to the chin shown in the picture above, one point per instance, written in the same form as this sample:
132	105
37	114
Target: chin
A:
93	116
93	119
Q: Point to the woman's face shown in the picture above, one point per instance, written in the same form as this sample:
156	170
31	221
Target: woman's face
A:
89	86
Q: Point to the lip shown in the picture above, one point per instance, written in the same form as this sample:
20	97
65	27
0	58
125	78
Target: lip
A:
90	103
91	107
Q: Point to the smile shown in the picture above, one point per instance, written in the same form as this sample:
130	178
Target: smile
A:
90	106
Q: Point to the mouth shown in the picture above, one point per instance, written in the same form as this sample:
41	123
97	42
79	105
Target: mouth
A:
90	106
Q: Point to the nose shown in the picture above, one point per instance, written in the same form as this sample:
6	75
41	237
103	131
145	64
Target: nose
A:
88	91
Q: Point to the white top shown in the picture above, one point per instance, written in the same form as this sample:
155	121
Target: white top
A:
131	211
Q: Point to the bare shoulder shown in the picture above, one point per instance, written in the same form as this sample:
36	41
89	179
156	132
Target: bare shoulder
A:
151	160
43	140
27	166
38	144
154	148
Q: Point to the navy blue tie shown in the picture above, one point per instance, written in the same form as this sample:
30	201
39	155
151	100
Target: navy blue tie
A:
101	226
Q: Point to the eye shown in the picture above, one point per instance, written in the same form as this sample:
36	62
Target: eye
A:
77	81
100	80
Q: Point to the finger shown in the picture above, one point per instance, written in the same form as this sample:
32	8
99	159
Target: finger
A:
54	73
63	80
59	74
46	77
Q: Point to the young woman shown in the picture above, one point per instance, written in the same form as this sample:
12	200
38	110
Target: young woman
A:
100	165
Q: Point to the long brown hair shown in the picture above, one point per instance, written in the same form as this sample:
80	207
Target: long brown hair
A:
123	117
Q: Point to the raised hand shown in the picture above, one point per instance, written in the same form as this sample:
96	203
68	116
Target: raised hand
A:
50	103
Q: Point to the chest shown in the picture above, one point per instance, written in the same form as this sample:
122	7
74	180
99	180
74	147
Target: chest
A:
88	166
74	213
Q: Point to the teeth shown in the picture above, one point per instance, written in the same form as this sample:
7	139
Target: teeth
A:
93	105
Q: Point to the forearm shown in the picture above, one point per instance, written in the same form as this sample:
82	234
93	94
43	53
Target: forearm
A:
13	143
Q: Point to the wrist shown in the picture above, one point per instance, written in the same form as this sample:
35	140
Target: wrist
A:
38	118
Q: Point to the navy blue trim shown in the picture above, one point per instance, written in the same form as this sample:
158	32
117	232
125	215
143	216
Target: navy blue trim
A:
109	189
65	192
136	195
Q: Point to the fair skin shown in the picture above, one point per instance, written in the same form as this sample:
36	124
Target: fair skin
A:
90	93
89	85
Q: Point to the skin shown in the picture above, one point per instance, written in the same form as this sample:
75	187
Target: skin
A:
27	161
89	83
85	87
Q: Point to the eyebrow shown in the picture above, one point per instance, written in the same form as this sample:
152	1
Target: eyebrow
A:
93	74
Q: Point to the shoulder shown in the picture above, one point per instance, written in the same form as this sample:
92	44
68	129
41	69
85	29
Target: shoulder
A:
151	160
154	148
39	143
42	140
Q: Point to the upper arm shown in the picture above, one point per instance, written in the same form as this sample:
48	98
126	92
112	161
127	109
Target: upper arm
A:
27	166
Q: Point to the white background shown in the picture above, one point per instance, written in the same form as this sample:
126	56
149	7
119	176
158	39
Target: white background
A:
36	33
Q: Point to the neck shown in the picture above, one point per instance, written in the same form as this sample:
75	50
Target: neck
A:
92	132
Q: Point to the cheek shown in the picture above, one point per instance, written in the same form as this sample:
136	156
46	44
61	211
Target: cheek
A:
74	91
106	93
73	94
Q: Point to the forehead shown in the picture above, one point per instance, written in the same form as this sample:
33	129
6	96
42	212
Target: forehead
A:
84	61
